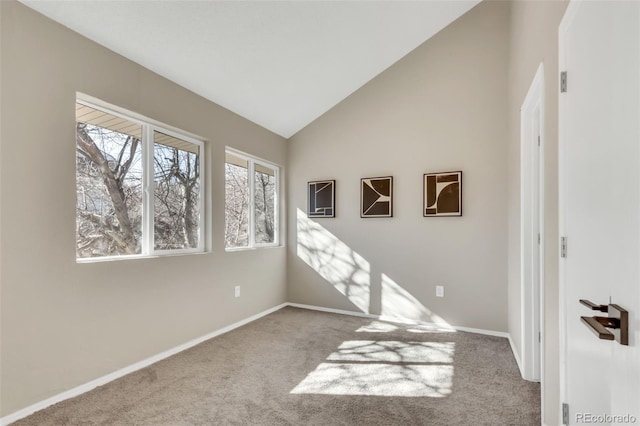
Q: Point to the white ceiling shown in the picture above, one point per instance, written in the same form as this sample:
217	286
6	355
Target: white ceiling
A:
280	64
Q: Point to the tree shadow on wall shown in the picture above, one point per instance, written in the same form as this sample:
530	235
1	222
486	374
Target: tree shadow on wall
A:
350	273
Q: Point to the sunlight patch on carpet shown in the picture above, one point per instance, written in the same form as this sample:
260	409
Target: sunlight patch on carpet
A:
393	351
384	368
377	327
385	327
433	381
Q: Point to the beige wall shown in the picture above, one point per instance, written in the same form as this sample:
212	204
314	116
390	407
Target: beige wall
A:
63	323
452	104
534	39
440	108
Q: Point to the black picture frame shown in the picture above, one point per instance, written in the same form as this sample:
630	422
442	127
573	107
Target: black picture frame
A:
376	197
321	198
442	194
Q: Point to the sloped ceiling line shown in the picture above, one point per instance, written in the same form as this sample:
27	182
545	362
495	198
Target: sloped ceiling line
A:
280	64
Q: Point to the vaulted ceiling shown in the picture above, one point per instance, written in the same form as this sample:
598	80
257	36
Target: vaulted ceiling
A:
280	64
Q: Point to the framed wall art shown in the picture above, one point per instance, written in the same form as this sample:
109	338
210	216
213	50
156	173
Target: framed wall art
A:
376	197
442	194
321	198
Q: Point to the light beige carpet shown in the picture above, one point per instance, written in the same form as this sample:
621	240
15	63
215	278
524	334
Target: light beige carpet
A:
300	367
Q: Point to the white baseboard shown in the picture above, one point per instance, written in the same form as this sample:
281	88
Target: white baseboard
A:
516	356
399	320
483	331
78	390
331	310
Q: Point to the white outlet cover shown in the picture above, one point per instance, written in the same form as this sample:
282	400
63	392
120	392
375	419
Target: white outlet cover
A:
439	291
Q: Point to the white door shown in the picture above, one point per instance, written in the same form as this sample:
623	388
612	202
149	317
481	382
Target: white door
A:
599	170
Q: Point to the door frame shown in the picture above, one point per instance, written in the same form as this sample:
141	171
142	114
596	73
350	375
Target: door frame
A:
532	229
563	30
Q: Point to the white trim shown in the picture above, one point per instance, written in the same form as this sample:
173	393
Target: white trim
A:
532	227
247	156
241	249
78	390
398	320
148	129
333	311
251	226
503	334
516	356
89	260
152	129
148	189
569	15
251	162
118	111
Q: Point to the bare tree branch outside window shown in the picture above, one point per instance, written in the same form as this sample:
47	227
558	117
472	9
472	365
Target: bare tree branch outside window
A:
265	190
109	184
109	192
238	187
176	189
236	206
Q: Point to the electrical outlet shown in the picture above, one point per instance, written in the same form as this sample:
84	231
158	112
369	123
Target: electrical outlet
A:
439	291
237	291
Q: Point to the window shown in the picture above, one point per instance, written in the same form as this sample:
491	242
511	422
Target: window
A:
251	202
138	185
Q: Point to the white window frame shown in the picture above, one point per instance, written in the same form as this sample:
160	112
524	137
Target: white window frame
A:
147	144
251	162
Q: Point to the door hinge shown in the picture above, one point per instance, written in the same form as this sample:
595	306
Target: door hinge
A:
563	82
539	337
538	238
565	413
563	247
538	140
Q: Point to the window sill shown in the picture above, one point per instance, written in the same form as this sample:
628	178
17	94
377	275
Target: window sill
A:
238	249
136	257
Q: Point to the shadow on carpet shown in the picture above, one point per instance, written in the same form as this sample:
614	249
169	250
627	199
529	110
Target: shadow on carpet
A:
301	367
